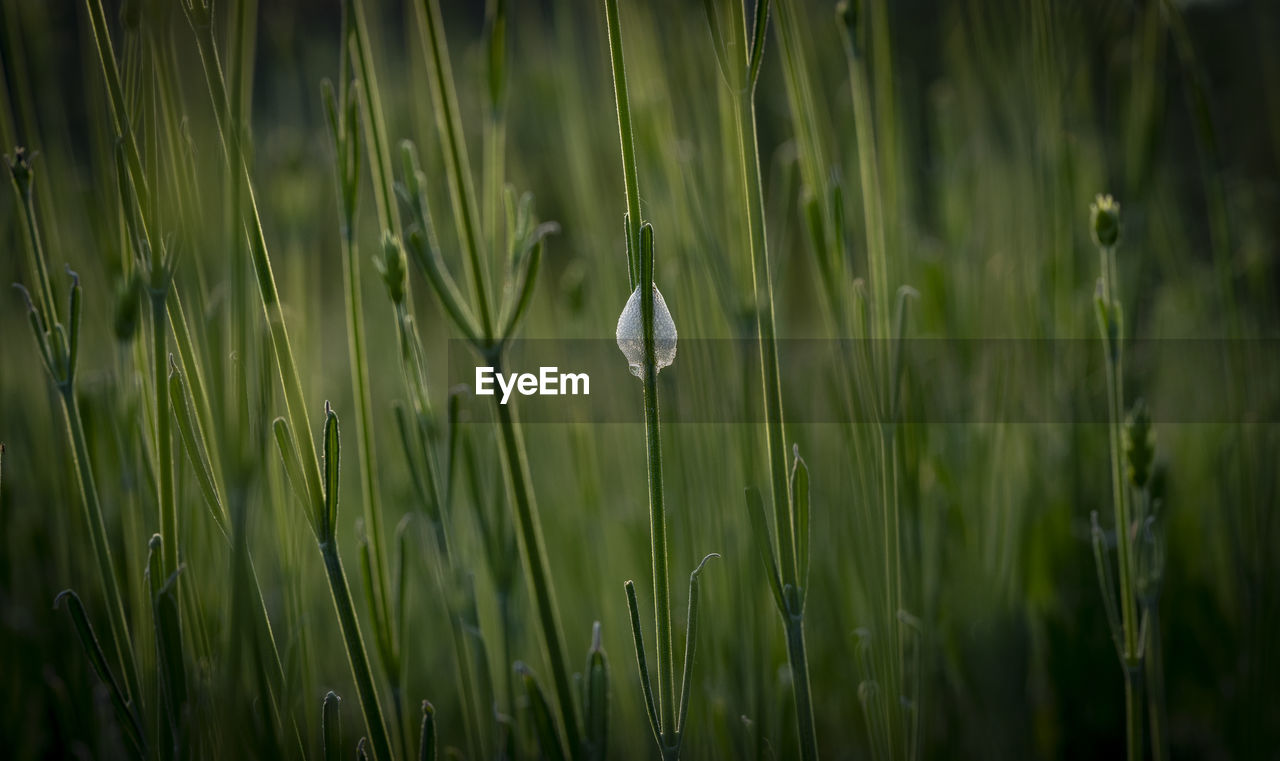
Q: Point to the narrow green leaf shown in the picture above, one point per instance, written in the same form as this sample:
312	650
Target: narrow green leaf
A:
757	42
690	641
73	349
129	721
800	518
332	460
193	442
645	684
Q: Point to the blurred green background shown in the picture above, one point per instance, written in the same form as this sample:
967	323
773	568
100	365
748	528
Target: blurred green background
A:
1008	117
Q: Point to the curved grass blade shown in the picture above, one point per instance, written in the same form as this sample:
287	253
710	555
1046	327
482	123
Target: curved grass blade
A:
690	641
129	722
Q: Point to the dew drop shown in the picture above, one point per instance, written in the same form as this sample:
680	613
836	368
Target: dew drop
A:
631	333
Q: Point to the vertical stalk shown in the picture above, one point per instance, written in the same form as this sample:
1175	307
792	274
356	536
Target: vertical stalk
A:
515	459
119	622
791	609
290	380
1133	712
63	374
640	243
657	508
458	167
626	135
239	59
495	138
1112	327
356	655
164	438
384	631
379	149
1153	667
869	175
1119	492
520	486
775	442
800	680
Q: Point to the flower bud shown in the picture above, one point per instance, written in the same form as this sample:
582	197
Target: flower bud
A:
20	167
393	266
1104	221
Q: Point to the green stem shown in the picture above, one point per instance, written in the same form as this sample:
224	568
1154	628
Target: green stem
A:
1115	400
43	286
744	117
869	175
101	547
289	378
640	243
115	99
359	366
1131	660
356	655
519	482
657	508
164	438
800	683
626	135
1153	665
241	33
379	149
449	123
1133	712
775	450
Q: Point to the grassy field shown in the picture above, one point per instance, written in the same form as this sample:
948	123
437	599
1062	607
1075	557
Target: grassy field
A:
951	430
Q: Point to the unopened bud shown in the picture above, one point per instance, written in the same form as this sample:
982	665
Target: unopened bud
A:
1104	221
20	167
393	266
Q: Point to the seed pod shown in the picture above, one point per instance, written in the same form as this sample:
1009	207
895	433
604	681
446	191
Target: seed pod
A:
630	333
1139	444
1104	221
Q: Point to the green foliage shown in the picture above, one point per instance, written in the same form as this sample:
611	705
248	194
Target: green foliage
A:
192	242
